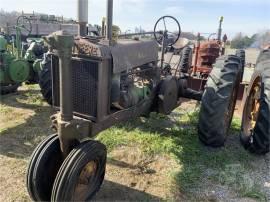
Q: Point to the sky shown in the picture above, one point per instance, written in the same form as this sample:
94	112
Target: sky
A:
246	16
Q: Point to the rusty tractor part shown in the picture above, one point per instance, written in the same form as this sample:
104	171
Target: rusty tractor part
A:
256	112
218	101
205	56
206	53
95	84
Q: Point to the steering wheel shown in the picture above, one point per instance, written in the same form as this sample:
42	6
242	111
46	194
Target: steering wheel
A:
164	33
211	35
24	24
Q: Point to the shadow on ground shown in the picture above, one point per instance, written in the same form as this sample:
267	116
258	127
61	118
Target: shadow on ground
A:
111	191
19	141
229	172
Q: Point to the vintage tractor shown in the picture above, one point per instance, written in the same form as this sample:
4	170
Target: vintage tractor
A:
13	71
197	65
34	55
198	61
98	82
205	54
16	64
255	128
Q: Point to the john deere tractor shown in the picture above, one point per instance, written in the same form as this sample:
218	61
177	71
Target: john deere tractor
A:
13	70
18	65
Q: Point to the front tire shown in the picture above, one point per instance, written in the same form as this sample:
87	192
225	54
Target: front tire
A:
81	174
218	101
39	178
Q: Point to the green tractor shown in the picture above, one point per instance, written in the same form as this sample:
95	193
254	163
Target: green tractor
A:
18	65
13	70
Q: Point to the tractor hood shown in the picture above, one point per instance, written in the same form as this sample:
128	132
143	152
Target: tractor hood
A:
126	54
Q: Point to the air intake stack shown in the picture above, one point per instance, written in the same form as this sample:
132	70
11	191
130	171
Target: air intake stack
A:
220	29
109	21
82	12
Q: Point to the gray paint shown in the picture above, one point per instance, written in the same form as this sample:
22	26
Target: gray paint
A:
128	54
82	15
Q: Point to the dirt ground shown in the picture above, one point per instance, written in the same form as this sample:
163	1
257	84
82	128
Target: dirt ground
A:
131	175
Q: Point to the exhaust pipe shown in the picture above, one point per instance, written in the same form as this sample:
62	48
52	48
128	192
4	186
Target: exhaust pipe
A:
220	29
109	21
82	12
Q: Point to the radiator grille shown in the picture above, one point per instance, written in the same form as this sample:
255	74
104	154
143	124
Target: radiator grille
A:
84	84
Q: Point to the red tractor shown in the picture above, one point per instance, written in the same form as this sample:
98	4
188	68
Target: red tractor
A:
205	55
198	62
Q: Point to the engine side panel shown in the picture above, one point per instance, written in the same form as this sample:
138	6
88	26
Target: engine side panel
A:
128	54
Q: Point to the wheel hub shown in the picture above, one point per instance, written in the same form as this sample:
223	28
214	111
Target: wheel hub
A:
251	110
255	105
85	179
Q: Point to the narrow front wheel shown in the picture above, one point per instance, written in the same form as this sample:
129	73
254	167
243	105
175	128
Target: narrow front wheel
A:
81	174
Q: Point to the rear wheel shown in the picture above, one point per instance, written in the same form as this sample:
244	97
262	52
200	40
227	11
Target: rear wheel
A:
45	82
81	174
218	101
264	55
255	127
186	60
8	88
33	76
242	55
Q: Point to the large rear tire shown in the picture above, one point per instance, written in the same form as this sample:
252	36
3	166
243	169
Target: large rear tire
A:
81	174
264	55
186	60
33	76
242	55
45	82
255	135
218	101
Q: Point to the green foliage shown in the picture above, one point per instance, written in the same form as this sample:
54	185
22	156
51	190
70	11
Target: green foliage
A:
240	41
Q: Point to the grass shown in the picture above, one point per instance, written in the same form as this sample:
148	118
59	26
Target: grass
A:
177	137
25	118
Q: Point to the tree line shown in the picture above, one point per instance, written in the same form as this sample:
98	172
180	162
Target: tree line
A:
258	40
